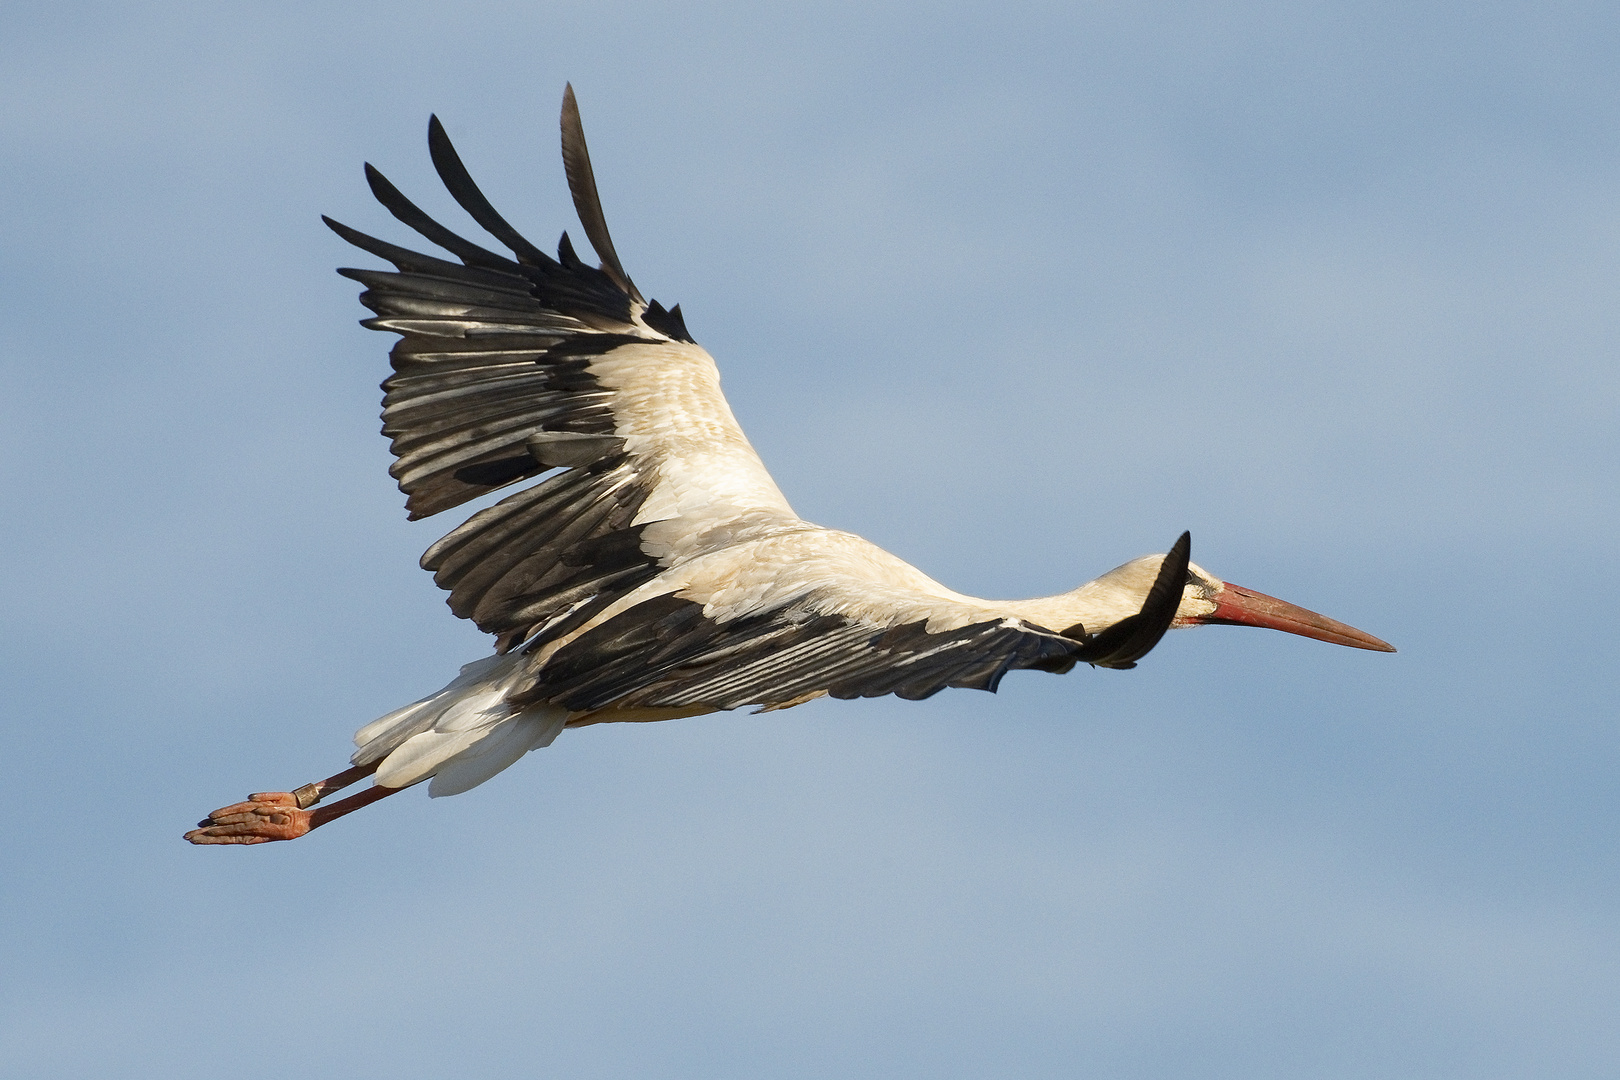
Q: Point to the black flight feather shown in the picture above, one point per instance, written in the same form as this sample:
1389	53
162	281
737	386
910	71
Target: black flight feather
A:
408	212
1130	639
587	203
459	182
413	262
663	653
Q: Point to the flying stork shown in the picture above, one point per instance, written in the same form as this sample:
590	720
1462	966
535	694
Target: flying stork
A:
658	572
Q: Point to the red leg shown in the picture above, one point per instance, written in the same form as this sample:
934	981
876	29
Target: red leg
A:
285	815
320	817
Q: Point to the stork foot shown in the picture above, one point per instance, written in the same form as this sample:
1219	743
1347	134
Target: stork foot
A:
267	816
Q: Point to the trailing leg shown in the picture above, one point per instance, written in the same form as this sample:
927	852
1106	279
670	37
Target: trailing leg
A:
285	815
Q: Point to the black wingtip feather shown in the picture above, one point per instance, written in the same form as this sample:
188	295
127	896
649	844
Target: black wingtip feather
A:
1128	640
406	259
408	212
587	203
459	182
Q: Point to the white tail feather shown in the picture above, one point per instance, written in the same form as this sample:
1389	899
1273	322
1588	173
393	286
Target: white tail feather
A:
501	746
461	735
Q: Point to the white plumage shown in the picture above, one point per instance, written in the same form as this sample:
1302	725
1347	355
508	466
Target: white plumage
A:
658	572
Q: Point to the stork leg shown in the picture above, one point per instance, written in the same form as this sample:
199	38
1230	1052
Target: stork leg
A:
285	815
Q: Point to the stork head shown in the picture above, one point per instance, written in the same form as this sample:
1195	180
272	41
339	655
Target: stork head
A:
1129	608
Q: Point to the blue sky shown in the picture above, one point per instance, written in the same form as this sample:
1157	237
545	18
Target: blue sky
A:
1017	292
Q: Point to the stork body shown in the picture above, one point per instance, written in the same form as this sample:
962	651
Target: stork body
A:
659	572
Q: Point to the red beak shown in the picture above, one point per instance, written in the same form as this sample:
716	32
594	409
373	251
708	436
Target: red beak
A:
1237	606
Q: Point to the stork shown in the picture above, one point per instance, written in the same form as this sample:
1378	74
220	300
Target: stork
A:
658	572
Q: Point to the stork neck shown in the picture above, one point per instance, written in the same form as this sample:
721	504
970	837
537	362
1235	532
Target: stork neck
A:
1096	605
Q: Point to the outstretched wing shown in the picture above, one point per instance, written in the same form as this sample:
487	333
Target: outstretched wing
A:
667	653
787	618
508	367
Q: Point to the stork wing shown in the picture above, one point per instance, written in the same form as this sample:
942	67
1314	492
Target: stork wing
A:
508	367
666	653
796	616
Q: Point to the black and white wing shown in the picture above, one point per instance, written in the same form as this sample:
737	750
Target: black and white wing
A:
510	366
795	616
666	653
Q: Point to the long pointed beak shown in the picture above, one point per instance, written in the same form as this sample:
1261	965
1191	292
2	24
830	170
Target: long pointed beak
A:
1237	606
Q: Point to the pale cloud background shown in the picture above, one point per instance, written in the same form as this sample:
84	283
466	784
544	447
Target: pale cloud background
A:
1018	293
